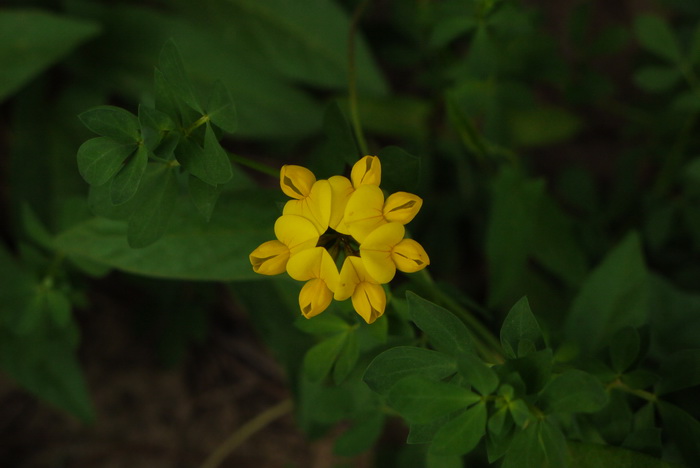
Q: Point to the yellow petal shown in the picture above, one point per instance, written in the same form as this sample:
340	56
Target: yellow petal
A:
296	181
314	297
369	301
341	189
364	211
367	170
410	256
296	232
316	207
270	258
313	263
349	278
376	250
402	207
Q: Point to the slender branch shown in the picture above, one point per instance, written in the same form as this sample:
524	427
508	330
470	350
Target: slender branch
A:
262	168
352	77
250	428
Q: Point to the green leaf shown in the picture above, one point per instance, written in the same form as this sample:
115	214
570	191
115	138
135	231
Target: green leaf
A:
540	445
347	358
173	72
534	369
624	349
519	326
221	109
361	436
574	391
126	182
401	170
614	296
433	460
338	148
680	370
445	331
203	195
520	412
694	49
35	229
461	434
154	126
477	374
683	429
585	455
325	324
542	126
319	360
657	78
99	159
451	28
655	35
153	205
421	400
401	361
33	40
210	163
192	248
114	122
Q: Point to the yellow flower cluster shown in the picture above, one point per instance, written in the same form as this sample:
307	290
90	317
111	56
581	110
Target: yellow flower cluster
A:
345	222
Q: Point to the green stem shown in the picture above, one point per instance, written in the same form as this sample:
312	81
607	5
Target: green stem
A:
262	168
197	123
250	428
620	385
486	342
352	78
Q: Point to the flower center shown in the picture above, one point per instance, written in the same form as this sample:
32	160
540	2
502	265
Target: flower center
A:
338	245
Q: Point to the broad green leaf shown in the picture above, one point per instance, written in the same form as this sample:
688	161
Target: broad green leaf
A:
154	126
346	359
680	370
445	331
209	163
574	391
585	455
461	434
319	360
324	324
401	361
614	296
33	40
542	126
675	317
154	204
656	78
451	28
401	171
683	429
646	440
520	325
655	35
534	369
99	159
126	182
624	349
203	195
520	412
191	249
421	400
540	445
113	122
477	374
221	109
361	436
171	66
433	460
424	433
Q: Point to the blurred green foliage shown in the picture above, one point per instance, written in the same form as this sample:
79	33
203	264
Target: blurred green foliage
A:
559	323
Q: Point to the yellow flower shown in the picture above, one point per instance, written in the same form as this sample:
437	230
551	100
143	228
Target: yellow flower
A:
368	297
294	234
366	210
384	250
317	268
366	171
311	198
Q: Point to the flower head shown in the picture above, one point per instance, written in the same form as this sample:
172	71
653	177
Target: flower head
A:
346	220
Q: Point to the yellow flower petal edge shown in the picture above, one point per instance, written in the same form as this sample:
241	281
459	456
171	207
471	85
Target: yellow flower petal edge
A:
296	232
376	251
367	170
314	263
369	301
409	256
341	189
296	181
270	258
314	297
364	211
402	207
316	207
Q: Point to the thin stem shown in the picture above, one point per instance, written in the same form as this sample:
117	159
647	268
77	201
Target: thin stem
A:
352	78
243	161
250	428
196	124
620	385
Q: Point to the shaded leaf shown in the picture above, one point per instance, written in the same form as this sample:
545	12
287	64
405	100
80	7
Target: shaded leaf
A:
114	122
461	434
99	159
520	325
574	391
655	35
445	331
126	182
